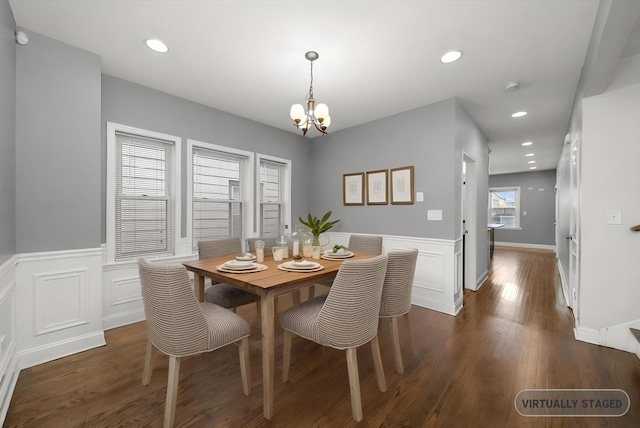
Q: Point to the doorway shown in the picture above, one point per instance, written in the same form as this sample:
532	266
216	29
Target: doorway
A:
470	228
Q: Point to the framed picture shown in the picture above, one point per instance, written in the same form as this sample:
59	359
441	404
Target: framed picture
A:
353	188
377	187
402	185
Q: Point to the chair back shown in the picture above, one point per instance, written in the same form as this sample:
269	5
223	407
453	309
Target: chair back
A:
175	323
268	243
365	243
349	316
219	247
398	282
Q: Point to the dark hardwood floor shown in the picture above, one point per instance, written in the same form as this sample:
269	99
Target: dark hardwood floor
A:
514	333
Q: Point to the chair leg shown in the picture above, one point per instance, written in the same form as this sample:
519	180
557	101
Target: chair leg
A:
410	331
377	362
245	368
354	383
172	392
286	354
397	355
148	363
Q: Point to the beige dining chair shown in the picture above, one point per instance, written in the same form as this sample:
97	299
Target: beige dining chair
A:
346	318
178	326
365	243
220	293
396	297
268	243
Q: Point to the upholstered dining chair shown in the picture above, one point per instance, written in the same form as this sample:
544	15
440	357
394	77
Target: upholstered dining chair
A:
178	326
396	297
346	318
220	293
366	243
268	243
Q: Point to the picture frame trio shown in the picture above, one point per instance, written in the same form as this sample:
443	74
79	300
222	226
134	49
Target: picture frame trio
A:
377	186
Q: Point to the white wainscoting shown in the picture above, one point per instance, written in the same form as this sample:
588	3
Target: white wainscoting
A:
9	368
438	279
59	304
121	291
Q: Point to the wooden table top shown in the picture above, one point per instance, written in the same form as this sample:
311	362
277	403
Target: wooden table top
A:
270	277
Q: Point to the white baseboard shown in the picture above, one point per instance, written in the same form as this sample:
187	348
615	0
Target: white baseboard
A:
620	337
525	245
565	284
482	279
122	319
588	335
51	351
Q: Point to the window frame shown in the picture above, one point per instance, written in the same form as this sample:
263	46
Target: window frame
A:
247	186
286	192
516	189
175	183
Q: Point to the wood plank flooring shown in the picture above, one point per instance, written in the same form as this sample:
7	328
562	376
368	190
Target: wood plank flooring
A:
513	333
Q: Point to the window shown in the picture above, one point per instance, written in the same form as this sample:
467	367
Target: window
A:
504	206
143	210
219	177
273	194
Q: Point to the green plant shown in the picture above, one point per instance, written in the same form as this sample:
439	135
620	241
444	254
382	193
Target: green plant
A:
317	225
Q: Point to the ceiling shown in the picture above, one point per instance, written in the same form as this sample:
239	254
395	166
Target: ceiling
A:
377	58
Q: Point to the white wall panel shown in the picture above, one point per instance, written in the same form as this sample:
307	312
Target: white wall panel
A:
59	304
8	356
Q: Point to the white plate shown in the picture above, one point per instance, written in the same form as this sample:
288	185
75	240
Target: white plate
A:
304	265
332	255
246	258
239	265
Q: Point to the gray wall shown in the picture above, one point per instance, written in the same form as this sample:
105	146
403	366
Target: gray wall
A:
537	227
423	137
57	146
470	140
7	132
134	105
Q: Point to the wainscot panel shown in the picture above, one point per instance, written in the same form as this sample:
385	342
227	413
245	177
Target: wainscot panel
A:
58	297
9	368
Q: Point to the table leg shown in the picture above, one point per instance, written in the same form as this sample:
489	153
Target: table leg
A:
268	360
198	286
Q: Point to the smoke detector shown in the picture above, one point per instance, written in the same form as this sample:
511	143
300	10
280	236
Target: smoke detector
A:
511	86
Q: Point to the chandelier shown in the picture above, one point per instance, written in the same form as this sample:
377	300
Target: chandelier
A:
316	115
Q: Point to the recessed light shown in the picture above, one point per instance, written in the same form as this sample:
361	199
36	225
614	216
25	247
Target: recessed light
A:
531	162
529	154
527	143
450	56
156	45
533	167
519	114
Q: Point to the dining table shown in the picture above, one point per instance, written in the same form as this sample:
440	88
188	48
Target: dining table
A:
269	282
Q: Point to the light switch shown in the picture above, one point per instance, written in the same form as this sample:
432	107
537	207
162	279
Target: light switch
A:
419	197
434	214
524	212
614	217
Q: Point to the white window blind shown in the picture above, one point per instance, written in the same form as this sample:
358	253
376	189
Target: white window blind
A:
271	197
217	195
144	197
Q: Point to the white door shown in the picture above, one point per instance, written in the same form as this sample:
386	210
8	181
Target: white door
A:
470	220
574	227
